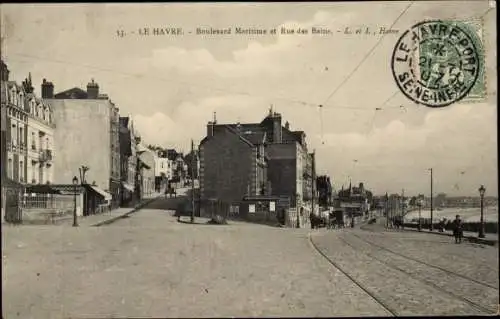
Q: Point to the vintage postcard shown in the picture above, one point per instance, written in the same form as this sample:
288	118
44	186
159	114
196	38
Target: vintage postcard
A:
251	159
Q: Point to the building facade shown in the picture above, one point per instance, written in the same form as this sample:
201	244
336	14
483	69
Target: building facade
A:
88	133
13	100
233	163
40	137
163	170
146	159
129	139
265	158
192	160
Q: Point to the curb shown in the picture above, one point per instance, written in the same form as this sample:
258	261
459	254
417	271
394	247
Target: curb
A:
472	239
135	209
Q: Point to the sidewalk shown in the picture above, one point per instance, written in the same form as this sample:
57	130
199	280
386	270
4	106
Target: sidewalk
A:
112	216
490	239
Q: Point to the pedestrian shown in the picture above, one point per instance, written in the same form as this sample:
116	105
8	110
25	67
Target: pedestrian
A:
458	229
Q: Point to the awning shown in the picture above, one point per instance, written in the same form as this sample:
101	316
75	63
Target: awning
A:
128	187
42	189
106	195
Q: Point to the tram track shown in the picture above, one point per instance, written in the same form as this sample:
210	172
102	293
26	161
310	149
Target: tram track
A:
479	282
384	305
479	307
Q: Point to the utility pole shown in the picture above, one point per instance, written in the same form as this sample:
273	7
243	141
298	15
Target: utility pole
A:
192	181
432	213
403	209
313	178
402	203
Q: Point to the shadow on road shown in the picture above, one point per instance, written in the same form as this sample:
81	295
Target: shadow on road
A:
167	203
201	223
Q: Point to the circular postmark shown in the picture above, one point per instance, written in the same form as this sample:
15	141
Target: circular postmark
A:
436	63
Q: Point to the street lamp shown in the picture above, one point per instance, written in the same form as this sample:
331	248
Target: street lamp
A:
482	190
430	169
75	183
419	203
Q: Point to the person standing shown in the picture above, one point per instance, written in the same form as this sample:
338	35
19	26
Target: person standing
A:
458	229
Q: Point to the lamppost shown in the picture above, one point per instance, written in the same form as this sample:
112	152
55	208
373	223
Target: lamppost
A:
75	183
482	190
419	203
430	169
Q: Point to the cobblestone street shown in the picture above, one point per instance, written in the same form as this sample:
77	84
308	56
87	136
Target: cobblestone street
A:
150	265
417	274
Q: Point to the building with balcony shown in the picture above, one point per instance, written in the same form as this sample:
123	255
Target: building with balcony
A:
15	115
87	134
40	138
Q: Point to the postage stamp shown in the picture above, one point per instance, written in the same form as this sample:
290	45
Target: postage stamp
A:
438	63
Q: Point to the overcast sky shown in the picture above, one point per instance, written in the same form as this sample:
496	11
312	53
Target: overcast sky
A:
171	85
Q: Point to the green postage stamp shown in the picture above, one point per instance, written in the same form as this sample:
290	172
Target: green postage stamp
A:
437	63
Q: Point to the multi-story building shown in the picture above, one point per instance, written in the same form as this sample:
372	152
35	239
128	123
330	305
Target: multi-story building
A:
192	161
238	160
179	166
13	101
40	138
356	200
325	190
88	134
163	170
129	139
146	160
291	166
233	163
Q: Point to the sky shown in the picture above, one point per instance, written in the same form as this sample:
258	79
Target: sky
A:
172	84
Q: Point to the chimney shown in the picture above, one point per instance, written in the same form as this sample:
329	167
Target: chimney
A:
277	128
210	129
210	126
287	125
92	90
47	90
4	71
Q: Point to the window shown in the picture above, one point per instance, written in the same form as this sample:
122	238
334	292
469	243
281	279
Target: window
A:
21	135
10	168
14	134
33	172
161	165
21	171
33	141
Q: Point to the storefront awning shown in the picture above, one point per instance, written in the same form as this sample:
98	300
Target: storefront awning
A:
106	195
128	187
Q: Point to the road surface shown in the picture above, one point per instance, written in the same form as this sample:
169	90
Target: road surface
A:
148	265
416	274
